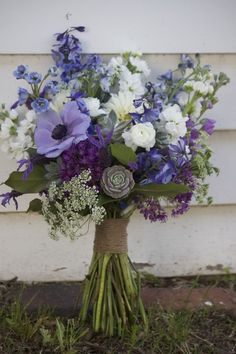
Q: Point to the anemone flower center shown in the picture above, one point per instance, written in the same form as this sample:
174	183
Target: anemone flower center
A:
59	132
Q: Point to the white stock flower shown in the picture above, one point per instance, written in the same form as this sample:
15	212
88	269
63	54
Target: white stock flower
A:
184	97
175	123
140	64
142	135
93	105
7	128
59	100
131	82
204	88
13	114
121	104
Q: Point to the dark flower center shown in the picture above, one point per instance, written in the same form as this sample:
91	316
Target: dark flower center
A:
59	132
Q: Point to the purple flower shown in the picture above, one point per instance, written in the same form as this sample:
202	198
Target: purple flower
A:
40	105
100	141
148	115
33	78
164	174
53	71
183	200
23	95
55	134
20	72
52	87
8	196
151	210
208	125
29	167
186	62
84	156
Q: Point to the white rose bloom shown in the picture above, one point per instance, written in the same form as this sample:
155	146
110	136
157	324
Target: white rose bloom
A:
141	65
142	135
175	123
121	104
93	105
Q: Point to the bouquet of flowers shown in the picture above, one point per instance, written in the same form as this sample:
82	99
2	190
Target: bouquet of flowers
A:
97	141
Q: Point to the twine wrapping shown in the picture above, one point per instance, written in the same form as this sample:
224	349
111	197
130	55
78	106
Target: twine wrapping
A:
111	236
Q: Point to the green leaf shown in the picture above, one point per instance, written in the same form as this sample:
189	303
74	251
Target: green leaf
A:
160	190
35	205
123	153
36	182
104	199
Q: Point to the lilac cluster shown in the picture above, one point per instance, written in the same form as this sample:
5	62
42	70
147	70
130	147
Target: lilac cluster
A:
151	209
84	156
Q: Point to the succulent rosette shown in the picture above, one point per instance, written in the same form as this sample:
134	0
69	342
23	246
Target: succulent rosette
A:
117	181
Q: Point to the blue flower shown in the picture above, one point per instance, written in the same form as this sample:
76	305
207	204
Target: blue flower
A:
23	95
186	62
148	115
52	87
53	71
166	76
20	71
164	174
33	78
40	105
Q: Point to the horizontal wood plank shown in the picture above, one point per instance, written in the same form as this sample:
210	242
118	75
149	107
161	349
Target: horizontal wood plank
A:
201	242
154	26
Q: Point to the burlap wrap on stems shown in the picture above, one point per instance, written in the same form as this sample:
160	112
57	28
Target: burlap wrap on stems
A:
111	236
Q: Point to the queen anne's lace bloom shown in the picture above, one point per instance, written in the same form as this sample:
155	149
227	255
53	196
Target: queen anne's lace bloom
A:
65	205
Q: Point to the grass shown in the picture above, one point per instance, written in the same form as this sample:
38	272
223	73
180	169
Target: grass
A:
205	331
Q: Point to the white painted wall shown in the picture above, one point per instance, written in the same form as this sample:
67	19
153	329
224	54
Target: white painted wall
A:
187	245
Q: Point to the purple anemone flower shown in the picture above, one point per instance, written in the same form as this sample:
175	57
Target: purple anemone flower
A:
56	133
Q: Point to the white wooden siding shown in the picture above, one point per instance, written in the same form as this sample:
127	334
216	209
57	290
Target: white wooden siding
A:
201	241
153	26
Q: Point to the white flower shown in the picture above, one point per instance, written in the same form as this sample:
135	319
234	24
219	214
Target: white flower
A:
141	134
7	129
31	116
175	123
196	109
121	104
184	97
204	88
115	64
59	100
131	82
140	65
13	114
93	105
